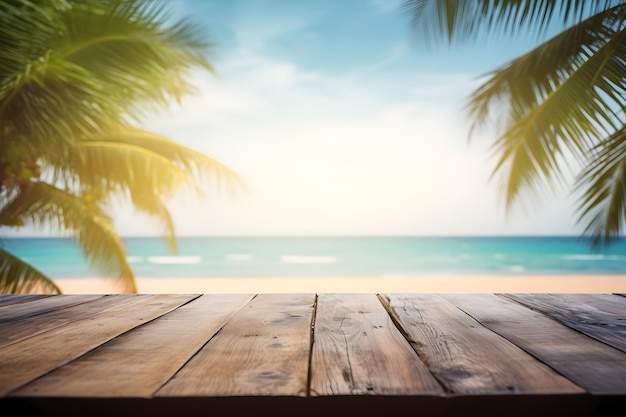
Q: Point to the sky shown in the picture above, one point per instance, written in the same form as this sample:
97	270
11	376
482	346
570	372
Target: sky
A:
341	120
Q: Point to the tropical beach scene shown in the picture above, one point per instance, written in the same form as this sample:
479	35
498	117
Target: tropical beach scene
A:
312	208
312	146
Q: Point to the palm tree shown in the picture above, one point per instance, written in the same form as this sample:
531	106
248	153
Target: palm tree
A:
560	106
75	80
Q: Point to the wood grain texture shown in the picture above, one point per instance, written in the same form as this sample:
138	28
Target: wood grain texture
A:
601	316
139	362
263	350
10	299
598	368
357	350
42	305
12	331
467	358
30	358
110	355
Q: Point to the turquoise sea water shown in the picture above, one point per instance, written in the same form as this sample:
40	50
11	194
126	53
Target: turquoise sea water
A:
320	256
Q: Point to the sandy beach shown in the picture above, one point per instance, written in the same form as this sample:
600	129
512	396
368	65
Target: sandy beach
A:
420	284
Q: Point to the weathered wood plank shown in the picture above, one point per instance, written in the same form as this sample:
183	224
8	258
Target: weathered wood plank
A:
9	299
30	358
12	331
139	362
263	350
42	305
596	367
357	350
601	316
256	389
466	357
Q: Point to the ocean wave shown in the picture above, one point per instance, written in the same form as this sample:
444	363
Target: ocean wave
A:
134	259
238	257
582	257
174	259
294	259
517	268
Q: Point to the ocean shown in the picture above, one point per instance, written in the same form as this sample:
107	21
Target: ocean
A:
334	256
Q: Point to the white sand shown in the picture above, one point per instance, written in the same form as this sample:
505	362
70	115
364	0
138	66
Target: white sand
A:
420	284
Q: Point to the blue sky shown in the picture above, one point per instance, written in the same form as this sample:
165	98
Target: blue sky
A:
342	121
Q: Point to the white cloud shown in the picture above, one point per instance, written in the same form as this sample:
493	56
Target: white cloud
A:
394	55
341	155
257	27
268	74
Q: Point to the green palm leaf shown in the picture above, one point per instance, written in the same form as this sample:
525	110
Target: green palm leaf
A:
462	20
143	167
603	202
43	205
132	47
17	277
196	166
74	74
107	169
558	107
107	62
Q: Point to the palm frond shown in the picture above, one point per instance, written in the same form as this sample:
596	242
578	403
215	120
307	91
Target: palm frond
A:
18	277
602	206
24	34
563	102
144	167
558	99
112	166
98	64
154	206
195	165
109	169
43	205
54	101
134	49
74	75
464	20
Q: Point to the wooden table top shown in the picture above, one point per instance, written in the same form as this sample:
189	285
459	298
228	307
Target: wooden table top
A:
313	354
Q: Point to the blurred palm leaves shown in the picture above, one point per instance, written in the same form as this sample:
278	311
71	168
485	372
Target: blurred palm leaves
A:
562	101
76	77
